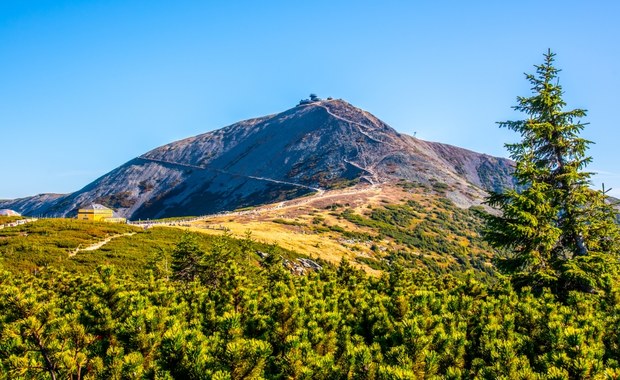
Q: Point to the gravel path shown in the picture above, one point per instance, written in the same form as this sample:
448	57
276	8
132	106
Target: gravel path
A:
100	244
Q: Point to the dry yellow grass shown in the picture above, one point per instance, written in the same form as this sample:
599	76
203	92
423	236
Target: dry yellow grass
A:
288	237
329	246
295	224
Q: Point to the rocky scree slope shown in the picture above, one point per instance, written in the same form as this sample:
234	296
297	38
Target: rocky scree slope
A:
320	145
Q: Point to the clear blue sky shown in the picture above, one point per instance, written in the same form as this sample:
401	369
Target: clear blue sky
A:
87	85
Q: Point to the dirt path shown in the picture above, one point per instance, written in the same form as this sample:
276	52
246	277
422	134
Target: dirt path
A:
297	202
165	162
233	174
320	191
100	244
367	167
333	194
358	125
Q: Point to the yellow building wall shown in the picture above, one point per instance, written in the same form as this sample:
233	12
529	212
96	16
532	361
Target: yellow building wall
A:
94	216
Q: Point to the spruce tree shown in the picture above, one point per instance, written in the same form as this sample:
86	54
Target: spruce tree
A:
553	225
187	259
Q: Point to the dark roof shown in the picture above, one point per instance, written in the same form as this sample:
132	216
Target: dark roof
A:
95	206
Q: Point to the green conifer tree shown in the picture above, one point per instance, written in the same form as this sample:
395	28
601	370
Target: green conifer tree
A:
187	259
160	265
219	266
553	220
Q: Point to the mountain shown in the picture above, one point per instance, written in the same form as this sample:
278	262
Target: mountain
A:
314	146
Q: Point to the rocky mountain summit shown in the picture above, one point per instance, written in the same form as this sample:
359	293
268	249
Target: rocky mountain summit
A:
317	145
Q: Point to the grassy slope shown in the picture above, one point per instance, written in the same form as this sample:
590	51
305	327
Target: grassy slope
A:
51	243
369	226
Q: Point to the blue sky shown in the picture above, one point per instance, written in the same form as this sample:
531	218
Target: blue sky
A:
87	85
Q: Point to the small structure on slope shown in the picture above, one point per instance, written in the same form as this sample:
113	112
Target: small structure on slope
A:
97	212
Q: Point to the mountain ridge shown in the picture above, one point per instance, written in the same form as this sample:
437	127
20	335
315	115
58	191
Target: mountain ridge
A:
310	147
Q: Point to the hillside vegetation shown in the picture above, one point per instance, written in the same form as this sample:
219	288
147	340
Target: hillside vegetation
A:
62	244
246	316
371	227
333	324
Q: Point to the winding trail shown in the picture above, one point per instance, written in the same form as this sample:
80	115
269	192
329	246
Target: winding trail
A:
233	174
372	178
156	160
318	190
360	126
259	209
100	244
